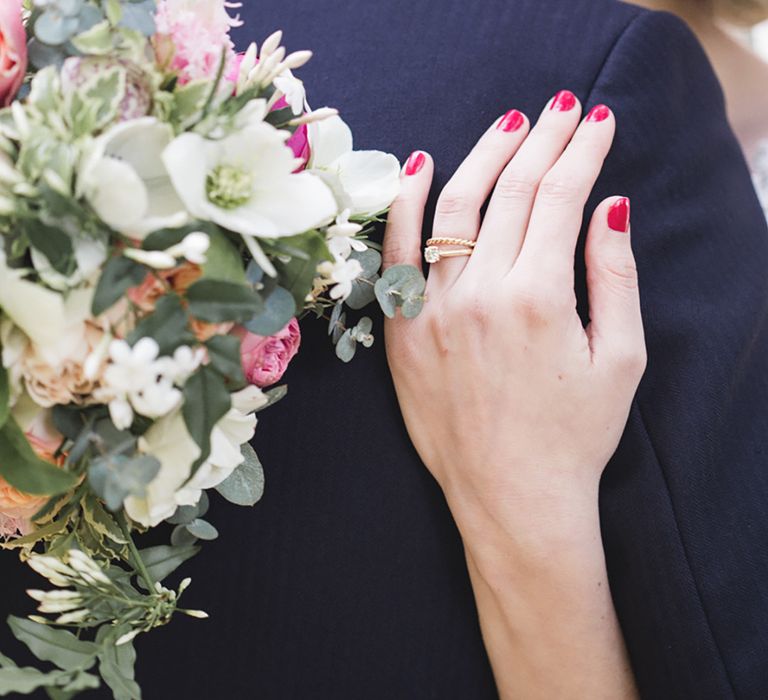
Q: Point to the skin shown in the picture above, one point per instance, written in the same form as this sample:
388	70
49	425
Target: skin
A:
515	407
742	73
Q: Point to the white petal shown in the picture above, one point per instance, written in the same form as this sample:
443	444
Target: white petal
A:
371	180
329	140
117	194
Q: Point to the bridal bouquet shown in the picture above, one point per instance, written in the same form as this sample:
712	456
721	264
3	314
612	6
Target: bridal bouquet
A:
168	208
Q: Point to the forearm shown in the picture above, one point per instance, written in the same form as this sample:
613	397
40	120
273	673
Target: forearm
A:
542	594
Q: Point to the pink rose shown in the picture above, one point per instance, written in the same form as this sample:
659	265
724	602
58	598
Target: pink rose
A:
266	359
13	50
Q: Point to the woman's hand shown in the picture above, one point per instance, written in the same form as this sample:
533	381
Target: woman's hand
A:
513	406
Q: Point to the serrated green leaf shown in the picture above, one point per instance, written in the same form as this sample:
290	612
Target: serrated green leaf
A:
24	470
58	646
119	275
162	561
217	301
245	486
279	309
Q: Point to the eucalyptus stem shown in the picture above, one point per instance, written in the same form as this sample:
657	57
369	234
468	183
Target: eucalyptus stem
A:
138	562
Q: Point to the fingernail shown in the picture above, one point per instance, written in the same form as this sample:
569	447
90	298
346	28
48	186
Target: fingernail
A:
415	163
511	121
564	101
598	114
618	215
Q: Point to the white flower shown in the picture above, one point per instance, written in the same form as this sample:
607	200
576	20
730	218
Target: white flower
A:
246	183
366	182
293	89
131	367
124	179
343	273
341	237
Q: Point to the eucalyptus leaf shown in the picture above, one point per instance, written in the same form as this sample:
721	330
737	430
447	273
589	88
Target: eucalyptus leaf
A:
161	561
186	514
387	300
58	646
369	259
217	301
114	478
139	16
203	530
279	309
346	347
181	537
245	486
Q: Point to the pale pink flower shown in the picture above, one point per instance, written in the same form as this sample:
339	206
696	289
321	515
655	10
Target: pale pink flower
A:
13	50
266	359
193	34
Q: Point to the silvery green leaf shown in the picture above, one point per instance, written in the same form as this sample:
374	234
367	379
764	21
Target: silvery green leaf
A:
346	347
90	15
335	317
412	306
42	55
55	645
203	530
363	292
162	561
364	326
279	309
54	29
337	330
114	478
369	259
245	486
116	663
26	680
253	272
139	16
181	537
386	299
273	396
69	8
186	514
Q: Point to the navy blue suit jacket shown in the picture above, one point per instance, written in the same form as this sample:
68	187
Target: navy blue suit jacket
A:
348	581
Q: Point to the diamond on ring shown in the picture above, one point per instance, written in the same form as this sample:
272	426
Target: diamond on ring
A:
432	254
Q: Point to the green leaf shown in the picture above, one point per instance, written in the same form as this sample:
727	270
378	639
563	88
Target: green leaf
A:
26	680
279	309
217	301
162	561
273	396
298	273
119	275
203	530
5	393
224	354
181	537
80	681
206	400
116	664
96	41
184	515
53	243
223	261
168	325
401	285
346	347
55	645
101	521
24	470
114	478
245	486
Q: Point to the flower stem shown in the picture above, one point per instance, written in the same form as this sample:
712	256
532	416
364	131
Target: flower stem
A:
138	562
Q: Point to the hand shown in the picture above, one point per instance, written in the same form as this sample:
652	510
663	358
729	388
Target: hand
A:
512	404
505	395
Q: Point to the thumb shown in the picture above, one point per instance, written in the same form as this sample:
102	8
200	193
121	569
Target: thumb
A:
402	240
616	329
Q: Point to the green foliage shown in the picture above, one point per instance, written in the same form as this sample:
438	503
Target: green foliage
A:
224	354
116	663
245	486
162	561
58	646
53	243
202	530
168	325
279	309
223	260
217	301
298	273
115	477
206	400
24	470
119	275
363	287
401	286
5	393
274	395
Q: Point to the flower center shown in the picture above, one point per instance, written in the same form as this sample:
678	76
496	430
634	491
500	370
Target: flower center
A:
229	187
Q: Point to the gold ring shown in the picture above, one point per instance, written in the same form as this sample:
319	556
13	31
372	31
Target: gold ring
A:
433	254
466	243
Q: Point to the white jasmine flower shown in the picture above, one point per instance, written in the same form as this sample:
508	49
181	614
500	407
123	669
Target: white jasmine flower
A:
343	273
156	399
366	182
246	183
156	259
193	247
341	237
131	367
124	179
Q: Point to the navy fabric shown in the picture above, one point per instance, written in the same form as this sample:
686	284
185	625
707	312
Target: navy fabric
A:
348	580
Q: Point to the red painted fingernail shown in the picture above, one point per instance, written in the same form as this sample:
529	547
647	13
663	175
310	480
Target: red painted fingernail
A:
511	121
415	163
618	215
598	114
564	101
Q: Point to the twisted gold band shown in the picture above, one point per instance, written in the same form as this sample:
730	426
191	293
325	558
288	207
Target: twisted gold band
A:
465	242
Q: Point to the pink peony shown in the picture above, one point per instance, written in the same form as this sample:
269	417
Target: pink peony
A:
192	34
13	50
299	141
266	359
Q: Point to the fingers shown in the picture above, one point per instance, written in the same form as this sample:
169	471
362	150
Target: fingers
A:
616	329
510	207
402	239
550	243
459	205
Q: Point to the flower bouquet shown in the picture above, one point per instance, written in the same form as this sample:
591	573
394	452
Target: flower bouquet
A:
168	208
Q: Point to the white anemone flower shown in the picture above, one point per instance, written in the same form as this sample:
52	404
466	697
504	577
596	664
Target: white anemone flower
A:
246	183
365	182
125	181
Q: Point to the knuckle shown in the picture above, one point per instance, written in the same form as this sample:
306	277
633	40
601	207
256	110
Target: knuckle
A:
516	186
631	361
398	251
620	273
557	189
452	202
536	309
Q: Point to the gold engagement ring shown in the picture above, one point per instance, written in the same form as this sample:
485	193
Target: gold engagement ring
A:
459	247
